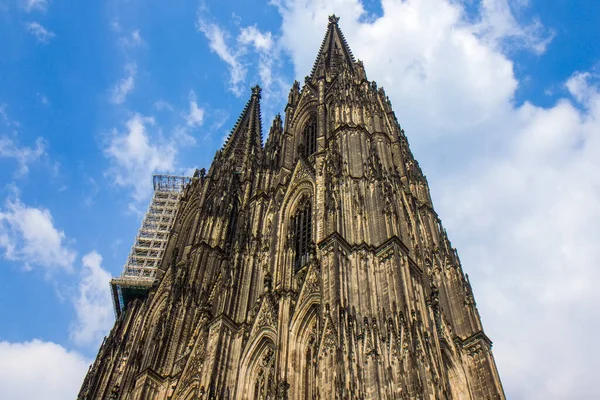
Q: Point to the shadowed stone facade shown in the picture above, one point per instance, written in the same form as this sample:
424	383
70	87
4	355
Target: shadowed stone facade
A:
313	267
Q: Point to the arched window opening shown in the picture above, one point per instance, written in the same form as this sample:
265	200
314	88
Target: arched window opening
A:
264	380
302	225
310	137
310	370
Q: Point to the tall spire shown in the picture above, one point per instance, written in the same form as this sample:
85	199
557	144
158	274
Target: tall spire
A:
246	135
334	51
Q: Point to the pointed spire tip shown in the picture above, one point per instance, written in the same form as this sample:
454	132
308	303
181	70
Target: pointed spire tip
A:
256	91
333	19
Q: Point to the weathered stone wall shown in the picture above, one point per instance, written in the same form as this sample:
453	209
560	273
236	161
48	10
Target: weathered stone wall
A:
381	309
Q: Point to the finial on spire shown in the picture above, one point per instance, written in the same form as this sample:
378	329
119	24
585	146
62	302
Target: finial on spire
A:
333	19
256	91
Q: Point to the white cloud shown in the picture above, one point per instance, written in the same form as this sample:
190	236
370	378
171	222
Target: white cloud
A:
35	5
499	27
252	47
583	86
434	50
217	42
195	117
40	370
41	34
182	135
122	88
9	122
22	154
252	35
135	155
275	87
527	225
516	186
162	105
263	45
93	304
28	235
134	39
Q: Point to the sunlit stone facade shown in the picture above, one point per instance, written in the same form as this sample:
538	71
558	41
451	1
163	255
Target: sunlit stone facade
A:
313	267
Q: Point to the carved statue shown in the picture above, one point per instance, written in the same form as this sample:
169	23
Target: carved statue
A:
279	236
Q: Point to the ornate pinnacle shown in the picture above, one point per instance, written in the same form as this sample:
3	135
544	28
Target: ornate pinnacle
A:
256	91
333	19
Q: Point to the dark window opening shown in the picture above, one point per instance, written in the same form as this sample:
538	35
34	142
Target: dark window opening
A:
310	138
302	225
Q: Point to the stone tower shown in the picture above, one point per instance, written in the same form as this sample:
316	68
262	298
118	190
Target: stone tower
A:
313	267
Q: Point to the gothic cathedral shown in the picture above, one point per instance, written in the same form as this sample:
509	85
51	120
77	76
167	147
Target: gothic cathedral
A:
313	267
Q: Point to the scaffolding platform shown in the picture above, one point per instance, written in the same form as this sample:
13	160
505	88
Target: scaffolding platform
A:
140	269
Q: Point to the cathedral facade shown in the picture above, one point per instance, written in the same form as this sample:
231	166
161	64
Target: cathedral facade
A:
313	267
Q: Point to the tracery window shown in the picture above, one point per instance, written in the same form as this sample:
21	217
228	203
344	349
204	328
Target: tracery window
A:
310	137
302	226
264	380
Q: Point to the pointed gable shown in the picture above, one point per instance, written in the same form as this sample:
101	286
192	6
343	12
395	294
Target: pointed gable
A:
266	316
311	285
329	338
334	53
301	172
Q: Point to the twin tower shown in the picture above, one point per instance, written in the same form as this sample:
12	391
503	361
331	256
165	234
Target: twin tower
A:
313	267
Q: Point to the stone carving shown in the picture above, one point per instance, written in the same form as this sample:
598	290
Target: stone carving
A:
238	317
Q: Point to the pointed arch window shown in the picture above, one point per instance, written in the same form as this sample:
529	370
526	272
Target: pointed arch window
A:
264	380
309	136
310	370
302	226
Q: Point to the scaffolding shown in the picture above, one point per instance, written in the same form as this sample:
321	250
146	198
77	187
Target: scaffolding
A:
143	262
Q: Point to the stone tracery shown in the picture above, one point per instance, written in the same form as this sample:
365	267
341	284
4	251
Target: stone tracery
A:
314	274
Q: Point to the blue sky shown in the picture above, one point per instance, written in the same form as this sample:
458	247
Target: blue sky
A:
499	99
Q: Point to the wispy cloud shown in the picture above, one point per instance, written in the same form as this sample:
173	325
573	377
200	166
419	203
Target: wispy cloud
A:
39	32
583	86
22	154
195	116
28	235
217	42
273	84
498	26
133	39
162	105
134	154
252	35
122	88
10	148
263	45
91	193
93	303
251	48
35	5
8	121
